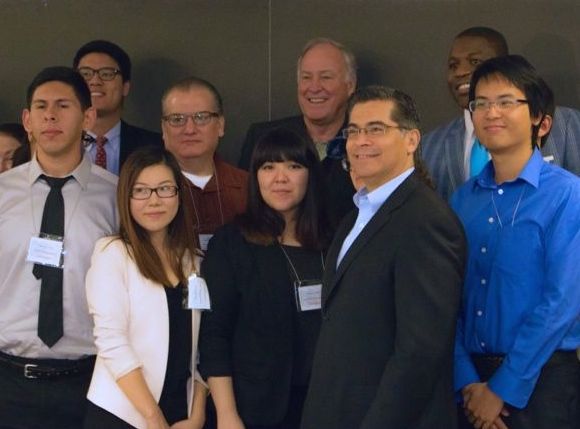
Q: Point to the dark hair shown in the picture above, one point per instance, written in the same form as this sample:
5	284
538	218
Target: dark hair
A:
109	48
16	131
494	38
262	224
404	114
195	82
520	73
182	241
65	75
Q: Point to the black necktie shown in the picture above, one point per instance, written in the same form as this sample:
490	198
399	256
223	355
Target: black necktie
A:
50	328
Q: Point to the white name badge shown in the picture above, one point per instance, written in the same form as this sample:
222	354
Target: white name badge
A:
197	294
309	294
204	240
46	251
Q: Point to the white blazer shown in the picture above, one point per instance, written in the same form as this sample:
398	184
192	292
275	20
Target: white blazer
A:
131	329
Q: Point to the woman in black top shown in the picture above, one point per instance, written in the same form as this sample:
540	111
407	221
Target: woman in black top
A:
264	276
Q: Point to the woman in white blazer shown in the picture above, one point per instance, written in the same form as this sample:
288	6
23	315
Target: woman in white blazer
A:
145	375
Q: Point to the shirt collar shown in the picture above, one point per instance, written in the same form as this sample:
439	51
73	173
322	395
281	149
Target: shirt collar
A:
81	173
377	197
530	173
112	134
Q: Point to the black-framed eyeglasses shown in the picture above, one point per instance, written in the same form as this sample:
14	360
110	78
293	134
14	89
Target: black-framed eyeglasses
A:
199	118
374	130
144	193
504	104
105	73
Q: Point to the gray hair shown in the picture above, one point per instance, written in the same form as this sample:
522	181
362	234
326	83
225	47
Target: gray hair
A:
347	55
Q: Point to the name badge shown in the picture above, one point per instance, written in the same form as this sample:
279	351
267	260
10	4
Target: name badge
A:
46	250
308	294
197	295
204	240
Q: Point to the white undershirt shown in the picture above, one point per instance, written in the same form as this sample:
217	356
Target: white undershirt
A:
199	181
469	139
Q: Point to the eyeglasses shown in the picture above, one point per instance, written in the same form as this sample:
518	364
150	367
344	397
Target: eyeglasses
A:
375	130
180	119
144	193
105	73
503	104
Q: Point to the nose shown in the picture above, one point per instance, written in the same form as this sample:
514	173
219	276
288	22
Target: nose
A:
280	175
492	110
50	113
190	127
463	69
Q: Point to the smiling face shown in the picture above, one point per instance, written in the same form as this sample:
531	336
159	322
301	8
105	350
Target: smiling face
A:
154	214
191	141
377	159
55	121
503	131
283	186
466	54
323	85
106	96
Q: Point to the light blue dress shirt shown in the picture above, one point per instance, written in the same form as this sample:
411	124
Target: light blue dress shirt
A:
368	204
522	286
112	148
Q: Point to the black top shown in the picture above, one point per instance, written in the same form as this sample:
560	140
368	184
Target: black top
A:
308	265
173	401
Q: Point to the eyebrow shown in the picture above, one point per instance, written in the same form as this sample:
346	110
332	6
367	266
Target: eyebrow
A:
160	183
499	96
58	100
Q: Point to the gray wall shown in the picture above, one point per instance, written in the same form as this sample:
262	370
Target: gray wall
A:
248	48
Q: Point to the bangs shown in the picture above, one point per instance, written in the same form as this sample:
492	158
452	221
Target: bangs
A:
281	145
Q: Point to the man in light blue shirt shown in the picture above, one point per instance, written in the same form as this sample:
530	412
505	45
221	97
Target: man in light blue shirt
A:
515	358
391	286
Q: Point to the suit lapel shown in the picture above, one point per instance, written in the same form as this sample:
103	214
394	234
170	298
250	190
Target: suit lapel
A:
454	154
381	218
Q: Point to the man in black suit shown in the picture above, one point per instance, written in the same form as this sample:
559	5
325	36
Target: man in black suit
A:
106	68
391	286
326	77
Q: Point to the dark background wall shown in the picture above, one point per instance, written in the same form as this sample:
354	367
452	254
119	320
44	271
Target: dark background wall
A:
248	48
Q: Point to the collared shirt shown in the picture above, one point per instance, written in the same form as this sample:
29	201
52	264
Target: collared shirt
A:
90	213
112	148
368	204
522	287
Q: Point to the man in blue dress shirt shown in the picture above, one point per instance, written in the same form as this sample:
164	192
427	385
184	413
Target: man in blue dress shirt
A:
452	153
515	359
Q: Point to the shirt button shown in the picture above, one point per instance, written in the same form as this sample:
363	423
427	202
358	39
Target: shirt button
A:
500	191
482	344
483	249
479	312
483	281
490	220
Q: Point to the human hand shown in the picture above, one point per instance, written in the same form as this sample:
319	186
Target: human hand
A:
483	407
188	424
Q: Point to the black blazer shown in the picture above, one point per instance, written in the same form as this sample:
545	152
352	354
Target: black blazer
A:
338	185
385	351
248	334
133	138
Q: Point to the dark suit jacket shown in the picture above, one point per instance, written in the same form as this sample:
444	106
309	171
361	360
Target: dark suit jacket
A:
248	335
443	149
385	351
339	189
133	138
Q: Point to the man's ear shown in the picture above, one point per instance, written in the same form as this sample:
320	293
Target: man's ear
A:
545	125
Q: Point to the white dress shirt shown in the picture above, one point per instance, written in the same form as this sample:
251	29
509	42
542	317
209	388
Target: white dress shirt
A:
90	213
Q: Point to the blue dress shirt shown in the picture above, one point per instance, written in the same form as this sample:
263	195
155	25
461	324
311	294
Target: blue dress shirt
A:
522	287
112	148
368	204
